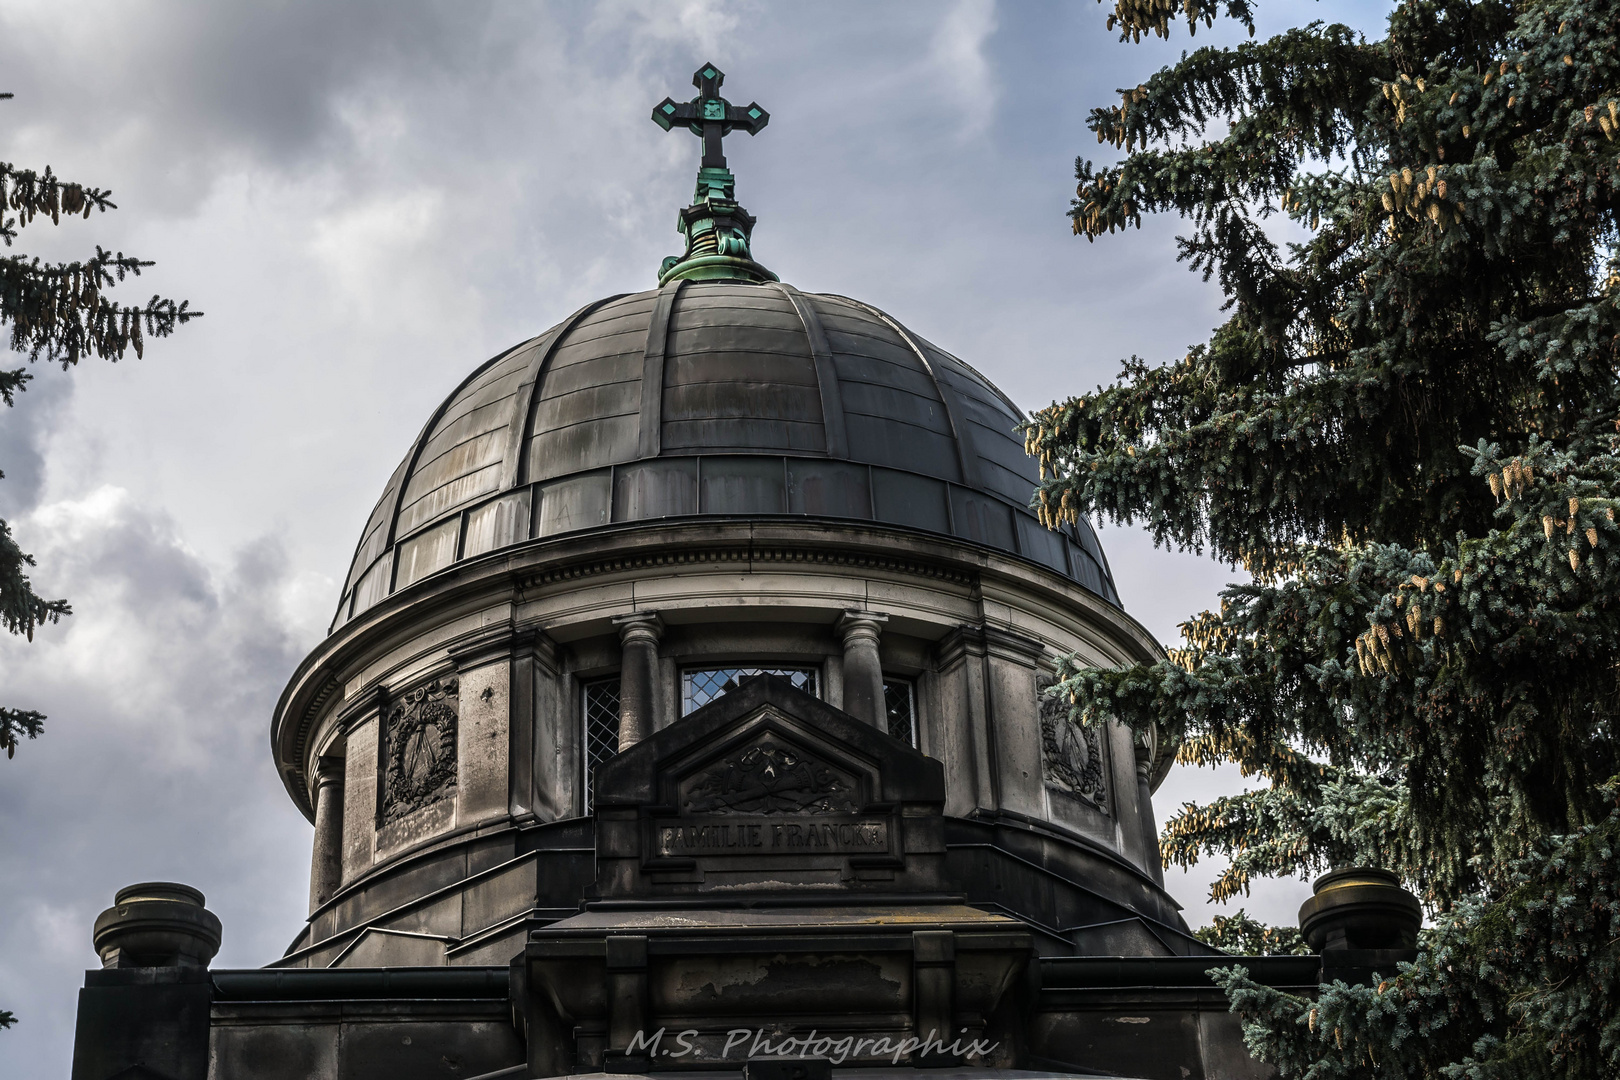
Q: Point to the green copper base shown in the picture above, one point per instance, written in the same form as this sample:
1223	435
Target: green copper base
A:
714	268
718	230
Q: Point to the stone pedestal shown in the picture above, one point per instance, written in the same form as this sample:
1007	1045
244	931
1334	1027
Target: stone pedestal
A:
1360	908
1362	923
146	1013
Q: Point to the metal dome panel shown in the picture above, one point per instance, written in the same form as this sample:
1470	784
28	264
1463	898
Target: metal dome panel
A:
712	398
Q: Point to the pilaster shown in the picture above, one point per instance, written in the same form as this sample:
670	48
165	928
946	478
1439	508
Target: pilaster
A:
965	745
1014	719
485	733
360	722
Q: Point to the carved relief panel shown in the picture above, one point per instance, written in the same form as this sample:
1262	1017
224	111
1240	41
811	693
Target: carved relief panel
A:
771	797
1071	755
770	777
419	749
768	789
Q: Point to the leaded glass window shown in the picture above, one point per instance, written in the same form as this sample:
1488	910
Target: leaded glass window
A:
699	686
900	702
599	706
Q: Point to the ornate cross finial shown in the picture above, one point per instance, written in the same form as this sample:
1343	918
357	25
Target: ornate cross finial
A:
710	116
717	230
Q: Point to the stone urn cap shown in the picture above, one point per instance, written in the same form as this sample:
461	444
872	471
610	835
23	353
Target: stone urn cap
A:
1360	908
160	890
157	924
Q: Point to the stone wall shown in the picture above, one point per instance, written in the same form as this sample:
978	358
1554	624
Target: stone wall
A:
454	707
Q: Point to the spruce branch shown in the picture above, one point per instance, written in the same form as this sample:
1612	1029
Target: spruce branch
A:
1407	431
60	312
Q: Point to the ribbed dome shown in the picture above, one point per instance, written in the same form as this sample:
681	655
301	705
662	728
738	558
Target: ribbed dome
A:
712	398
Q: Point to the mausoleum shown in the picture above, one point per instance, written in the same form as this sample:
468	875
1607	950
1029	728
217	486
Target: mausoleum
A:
688	679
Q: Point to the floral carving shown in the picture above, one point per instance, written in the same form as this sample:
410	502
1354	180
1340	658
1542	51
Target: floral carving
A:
419	767
1071	754
769	778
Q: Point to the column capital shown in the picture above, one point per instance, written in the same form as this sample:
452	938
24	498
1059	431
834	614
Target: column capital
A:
362	707
639	627
1147	750
855	624
328	769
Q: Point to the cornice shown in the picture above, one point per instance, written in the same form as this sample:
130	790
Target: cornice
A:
361	708
749	552
485	646
1007	645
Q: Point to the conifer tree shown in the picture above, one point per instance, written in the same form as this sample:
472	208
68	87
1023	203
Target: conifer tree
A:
1406	430
58	312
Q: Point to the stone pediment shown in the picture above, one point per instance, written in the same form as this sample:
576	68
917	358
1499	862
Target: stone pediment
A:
768	789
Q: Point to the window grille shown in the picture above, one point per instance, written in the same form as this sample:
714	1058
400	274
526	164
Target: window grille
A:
702	685
599	707
900	702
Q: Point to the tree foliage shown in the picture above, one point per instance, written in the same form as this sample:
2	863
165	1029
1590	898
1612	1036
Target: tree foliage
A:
58	312
1406	430
1241	935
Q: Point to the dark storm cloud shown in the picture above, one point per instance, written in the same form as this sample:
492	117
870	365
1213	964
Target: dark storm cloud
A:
208	79
150	767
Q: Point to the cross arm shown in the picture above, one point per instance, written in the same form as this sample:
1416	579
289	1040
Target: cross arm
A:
750	118
669	112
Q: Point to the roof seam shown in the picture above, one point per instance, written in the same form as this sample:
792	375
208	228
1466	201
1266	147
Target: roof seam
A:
649	440
421	440
517	428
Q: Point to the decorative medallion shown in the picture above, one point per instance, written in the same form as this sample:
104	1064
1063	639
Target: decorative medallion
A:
420	741
1071	754
770	778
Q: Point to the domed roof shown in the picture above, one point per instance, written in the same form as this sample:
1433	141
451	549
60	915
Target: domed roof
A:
712	398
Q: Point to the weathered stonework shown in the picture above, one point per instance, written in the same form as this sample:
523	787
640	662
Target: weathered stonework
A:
768	777
1071	753
419	760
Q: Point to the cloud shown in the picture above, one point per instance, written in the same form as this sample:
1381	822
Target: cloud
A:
153	764
23	430
957	57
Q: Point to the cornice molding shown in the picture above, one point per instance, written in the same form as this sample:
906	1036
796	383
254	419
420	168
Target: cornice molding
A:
965	641
367	703
749	552
485	646
1008	645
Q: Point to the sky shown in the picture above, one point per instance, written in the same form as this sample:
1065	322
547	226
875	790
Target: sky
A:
368	200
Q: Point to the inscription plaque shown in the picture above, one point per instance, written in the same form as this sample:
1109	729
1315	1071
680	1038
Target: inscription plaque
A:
735	835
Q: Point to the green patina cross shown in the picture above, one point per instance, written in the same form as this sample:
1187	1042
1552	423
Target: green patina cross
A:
710	116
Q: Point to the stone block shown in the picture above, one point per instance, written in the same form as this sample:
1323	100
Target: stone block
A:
360	800
483	737
292	1050
498	897
152	1017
